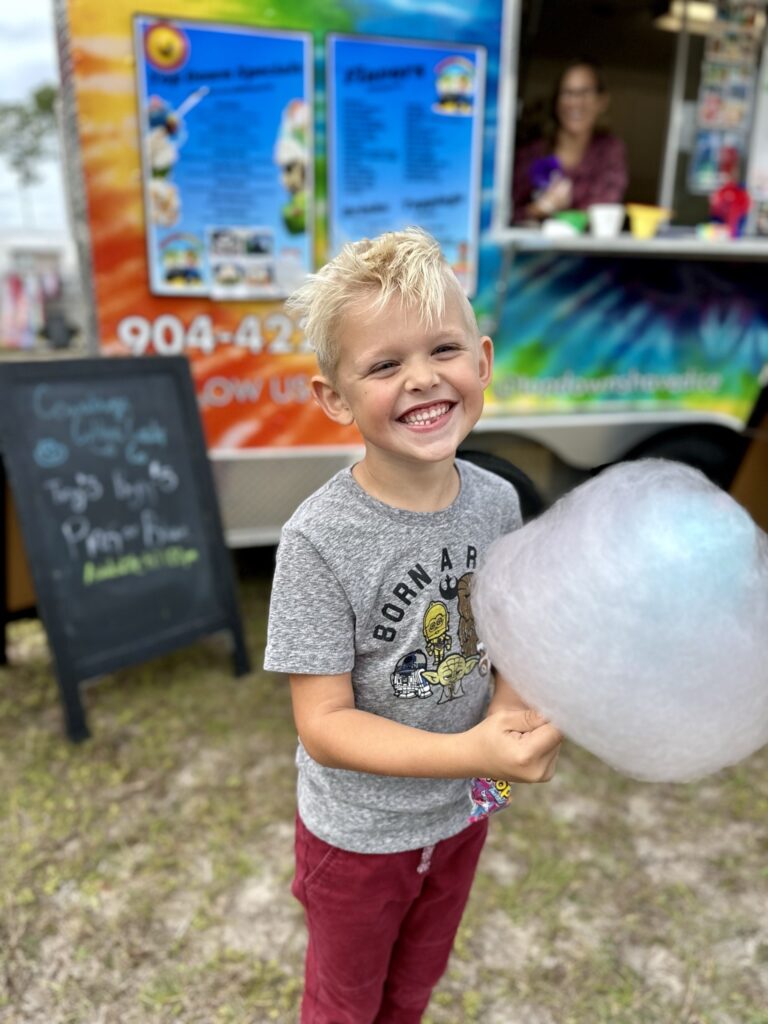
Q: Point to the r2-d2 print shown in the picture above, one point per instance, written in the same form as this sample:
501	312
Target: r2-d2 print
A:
407	679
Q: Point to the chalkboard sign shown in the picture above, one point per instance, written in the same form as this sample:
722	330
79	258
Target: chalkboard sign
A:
109	471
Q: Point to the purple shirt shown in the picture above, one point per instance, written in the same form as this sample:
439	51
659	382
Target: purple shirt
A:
601	177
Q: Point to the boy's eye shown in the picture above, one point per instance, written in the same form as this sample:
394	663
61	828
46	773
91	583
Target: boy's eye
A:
448	348
380	368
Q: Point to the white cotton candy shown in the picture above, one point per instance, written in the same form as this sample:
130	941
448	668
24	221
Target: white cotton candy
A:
634	615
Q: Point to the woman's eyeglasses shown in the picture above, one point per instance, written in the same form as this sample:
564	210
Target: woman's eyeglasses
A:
577	94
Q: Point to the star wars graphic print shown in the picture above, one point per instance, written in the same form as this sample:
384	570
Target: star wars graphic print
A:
450	649
441	667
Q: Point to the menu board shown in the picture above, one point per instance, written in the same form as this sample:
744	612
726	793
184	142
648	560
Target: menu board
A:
226	157
110	476
404	143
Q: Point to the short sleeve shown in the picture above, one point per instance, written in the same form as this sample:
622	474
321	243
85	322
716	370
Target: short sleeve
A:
513	518
311	628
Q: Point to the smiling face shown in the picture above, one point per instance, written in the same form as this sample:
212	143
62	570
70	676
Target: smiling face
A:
579	101
414	391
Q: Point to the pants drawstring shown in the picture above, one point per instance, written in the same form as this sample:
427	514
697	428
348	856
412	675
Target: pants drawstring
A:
426	860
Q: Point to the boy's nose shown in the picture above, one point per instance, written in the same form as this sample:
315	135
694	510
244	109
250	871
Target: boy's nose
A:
421	376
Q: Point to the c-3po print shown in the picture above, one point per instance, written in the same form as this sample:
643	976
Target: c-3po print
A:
438	640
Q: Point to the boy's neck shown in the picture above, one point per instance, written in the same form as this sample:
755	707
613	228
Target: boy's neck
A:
415	487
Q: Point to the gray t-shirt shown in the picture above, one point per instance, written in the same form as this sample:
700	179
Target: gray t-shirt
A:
383	593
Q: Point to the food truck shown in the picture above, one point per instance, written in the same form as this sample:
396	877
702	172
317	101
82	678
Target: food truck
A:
220	150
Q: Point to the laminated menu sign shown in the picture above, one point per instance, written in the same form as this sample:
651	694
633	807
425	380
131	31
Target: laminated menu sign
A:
404	143
225	120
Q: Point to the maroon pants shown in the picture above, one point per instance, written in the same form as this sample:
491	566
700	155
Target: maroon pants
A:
381	926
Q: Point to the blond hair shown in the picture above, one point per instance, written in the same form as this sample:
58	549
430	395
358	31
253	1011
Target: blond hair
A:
406	265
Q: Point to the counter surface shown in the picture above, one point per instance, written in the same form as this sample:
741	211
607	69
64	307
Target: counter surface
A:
625	244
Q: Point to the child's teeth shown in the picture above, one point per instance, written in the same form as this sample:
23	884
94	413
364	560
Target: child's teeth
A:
426	415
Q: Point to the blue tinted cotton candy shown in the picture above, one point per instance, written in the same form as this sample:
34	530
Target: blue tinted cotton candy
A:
634	615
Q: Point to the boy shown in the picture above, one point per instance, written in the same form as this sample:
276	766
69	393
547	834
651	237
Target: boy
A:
370	618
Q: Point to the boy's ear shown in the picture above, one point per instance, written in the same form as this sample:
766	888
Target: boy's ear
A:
331	401
486	360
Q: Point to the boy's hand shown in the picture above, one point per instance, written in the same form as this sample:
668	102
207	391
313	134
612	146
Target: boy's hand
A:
517	745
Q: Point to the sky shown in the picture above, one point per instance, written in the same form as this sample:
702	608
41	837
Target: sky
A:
28	60
27	47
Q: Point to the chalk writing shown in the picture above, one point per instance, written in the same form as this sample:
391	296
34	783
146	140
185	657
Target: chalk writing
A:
173	557
104	426
48	453
137	493
85	539
78	495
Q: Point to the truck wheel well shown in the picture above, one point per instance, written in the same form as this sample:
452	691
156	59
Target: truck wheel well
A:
715	450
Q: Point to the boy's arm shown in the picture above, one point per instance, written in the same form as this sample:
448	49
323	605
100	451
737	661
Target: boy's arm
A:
517	744
505	696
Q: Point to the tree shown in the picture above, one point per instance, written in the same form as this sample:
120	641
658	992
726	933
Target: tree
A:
27	133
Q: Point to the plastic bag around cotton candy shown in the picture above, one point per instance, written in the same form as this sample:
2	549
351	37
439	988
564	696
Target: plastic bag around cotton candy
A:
634	615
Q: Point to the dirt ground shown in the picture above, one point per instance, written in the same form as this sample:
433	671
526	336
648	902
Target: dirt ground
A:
144	874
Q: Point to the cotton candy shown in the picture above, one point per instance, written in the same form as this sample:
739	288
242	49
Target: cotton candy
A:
634	615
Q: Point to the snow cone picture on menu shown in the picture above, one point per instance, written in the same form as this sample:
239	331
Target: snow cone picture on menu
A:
455	85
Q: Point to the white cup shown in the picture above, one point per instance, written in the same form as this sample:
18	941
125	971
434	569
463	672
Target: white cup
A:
606	219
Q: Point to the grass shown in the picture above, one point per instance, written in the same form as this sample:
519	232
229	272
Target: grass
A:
144	874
